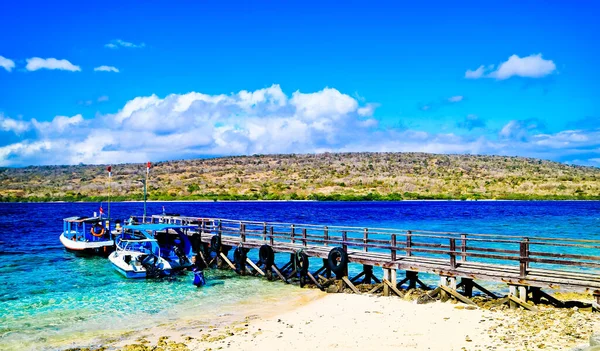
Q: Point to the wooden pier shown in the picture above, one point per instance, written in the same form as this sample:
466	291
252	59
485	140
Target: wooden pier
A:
527	264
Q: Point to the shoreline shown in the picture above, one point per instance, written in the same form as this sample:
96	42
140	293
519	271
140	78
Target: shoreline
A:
363	322
301	201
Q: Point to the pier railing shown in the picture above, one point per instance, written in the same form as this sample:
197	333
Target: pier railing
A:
524	252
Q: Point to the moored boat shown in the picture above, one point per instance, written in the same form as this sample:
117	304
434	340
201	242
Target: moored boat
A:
152	250
87	235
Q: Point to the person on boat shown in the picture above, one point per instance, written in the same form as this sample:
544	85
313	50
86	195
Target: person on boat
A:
198	270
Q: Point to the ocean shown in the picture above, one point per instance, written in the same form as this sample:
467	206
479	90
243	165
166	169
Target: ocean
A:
52	299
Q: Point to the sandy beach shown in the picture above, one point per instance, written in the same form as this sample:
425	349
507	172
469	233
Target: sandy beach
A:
361	322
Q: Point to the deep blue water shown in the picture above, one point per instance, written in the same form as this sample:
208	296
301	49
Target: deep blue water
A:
49	296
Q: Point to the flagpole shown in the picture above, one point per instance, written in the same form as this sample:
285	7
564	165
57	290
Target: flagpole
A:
145	187
109	169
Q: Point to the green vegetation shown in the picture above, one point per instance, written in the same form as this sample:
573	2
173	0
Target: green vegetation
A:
329	176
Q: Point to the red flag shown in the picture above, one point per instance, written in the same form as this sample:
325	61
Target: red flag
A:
101	210
109	170
148	167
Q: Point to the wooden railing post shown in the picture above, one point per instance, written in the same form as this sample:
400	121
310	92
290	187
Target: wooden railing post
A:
243	231
344	240
264	231
220	233
408	243
326	235
393	242
452	253
271	233
524	259
292	233
463	246
304	236
366	239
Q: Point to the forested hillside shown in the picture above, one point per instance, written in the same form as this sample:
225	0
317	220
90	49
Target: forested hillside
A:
329	176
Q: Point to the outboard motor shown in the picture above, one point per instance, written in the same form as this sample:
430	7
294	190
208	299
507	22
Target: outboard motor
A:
150	264
183	259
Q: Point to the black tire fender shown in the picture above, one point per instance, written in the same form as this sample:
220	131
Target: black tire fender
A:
302	262
266	255
337	260
239	259
215	243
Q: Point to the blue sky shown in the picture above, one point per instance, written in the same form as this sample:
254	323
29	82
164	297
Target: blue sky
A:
313	76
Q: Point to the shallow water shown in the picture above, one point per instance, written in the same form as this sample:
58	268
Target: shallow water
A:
49	298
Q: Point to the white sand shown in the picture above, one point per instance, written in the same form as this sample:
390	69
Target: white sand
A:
318	321
353	322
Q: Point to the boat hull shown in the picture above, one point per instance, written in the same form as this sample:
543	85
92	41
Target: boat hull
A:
95	248
131	272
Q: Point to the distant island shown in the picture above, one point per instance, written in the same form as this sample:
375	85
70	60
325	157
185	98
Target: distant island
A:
327	176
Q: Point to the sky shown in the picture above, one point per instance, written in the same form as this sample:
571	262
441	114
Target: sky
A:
131	81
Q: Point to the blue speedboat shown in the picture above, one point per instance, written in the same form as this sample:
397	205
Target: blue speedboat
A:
88	235
152	250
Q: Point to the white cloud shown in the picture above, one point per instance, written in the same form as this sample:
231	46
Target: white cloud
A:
12	125
106	69
367	110
476	74
263	121
102	98
36	63
6	63
532	66
59	124
457	98
117	43
327	102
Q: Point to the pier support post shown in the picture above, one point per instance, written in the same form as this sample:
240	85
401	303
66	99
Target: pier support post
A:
391	276
412	278
467	285
449	282
518	297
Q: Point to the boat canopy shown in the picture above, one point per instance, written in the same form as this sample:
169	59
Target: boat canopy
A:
82	219
155	227
136	240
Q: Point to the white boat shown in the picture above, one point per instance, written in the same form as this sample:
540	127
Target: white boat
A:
152	250
87	235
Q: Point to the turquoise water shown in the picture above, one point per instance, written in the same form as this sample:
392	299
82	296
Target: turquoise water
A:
50	298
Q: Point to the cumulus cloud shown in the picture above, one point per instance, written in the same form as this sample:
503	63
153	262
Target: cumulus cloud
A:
6	63
106	69
532	66
118	43
103	98
264	121
36	63
12	125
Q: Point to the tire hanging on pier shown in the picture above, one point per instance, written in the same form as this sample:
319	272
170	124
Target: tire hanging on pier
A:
266	255
302	263
337	260
215	243
239	259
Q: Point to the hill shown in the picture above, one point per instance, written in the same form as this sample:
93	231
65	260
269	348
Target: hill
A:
329	176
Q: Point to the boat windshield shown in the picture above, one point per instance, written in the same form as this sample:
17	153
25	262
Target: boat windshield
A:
135	240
